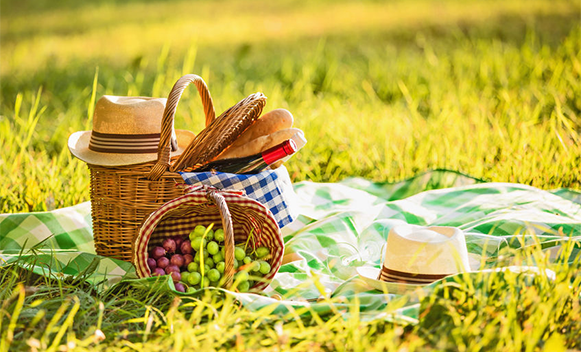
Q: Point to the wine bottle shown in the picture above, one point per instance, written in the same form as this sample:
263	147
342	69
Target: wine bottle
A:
252	164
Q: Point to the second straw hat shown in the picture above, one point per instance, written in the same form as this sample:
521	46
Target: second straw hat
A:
418	255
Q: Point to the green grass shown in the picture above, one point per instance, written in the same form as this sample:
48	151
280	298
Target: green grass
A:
492	312
382	91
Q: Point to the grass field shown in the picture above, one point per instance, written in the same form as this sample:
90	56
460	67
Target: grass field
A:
383	90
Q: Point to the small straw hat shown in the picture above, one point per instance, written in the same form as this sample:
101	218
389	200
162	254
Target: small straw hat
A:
126	131
418	255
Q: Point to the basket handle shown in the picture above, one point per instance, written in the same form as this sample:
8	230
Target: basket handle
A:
167	123
228	235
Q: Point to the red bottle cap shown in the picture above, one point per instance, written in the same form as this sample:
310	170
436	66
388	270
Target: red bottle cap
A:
278	152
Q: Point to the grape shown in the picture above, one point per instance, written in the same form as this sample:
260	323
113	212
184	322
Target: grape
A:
206	282
185	275
179	240
209	262
247	260
158	252
255	266
177	259
158	272
193	266
214	275
218	257
262	252
169	245
172	269
190	290
206	268
197	257
239	253
188	258
176	276
192	235
180	287
199	230
264	267
213	248
162	262
235	263
244	286
197	242
194	278
151	263
210	235
219	235
186	247
220	267
241	275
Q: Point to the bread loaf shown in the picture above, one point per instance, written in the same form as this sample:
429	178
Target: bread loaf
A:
272	121
259	144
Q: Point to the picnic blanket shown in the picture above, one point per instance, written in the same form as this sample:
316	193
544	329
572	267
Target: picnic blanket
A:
341	226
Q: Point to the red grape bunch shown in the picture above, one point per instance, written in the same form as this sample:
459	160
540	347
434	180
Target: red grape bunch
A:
198	261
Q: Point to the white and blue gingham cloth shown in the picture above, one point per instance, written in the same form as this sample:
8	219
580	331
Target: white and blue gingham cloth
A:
272	188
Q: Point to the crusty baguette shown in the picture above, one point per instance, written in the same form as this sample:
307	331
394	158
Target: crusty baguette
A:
259	144
272	121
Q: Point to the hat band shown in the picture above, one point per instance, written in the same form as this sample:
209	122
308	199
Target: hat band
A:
408	278
126	143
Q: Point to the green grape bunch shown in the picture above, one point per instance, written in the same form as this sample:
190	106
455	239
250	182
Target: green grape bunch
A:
205	247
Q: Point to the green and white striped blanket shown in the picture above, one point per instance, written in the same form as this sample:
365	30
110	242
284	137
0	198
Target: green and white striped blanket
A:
341	226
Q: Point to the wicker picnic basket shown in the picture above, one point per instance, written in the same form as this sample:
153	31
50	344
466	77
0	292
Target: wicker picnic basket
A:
202	205
122	196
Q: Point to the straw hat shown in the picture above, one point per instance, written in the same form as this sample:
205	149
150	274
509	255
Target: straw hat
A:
126	131
418	255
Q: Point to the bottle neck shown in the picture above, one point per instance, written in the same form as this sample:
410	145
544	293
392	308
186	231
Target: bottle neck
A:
278	152
253	163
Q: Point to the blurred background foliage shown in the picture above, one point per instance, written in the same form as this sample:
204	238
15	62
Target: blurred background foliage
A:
383	90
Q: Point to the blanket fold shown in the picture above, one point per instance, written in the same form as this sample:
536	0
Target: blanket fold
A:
340	227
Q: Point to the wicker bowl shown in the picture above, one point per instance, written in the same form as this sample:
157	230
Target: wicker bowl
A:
203	205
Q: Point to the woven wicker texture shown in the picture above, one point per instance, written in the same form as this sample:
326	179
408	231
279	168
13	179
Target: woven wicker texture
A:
121	197
221	133
236	214
167	123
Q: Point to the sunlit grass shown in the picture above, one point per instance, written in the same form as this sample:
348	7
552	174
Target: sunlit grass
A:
489	311
33	41
497	110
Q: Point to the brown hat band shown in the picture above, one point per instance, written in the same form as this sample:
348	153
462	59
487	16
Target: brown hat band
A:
390	275
126	143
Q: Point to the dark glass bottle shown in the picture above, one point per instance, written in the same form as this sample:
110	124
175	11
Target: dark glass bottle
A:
252	164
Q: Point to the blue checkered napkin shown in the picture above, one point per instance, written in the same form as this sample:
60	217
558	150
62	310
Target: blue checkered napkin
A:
271	188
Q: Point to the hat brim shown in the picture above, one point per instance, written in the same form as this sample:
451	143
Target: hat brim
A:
370	274
79	146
